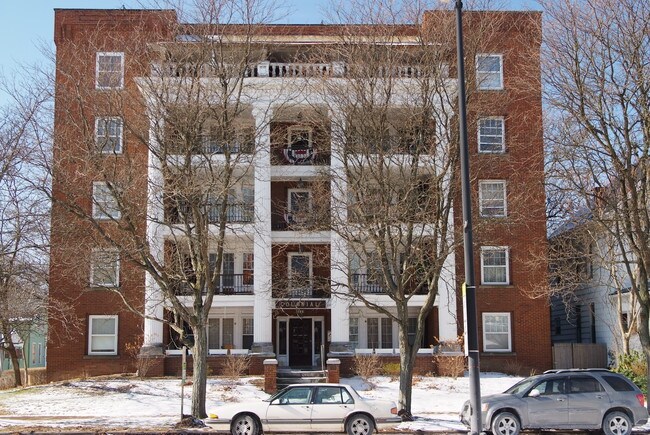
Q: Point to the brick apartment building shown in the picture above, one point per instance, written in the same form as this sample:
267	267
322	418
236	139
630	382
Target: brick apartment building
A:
105	61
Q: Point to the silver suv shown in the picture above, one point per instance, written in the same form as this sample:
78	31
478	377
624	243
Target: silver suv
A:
564	399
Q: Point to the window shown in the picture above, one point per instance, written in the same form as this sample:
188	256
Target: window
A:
332	396
492	198
551	386
300	137
109	71
491	137
354	332
584	384
380	333
298	205
618	383
108	135
104	203
494	265
247	333
294	396
221	333
102	335
105	268
300	272
248	268
496	332
489	71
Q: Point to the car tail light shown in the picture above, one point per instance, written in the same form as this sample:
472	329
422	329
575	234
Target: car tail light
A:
641	399
393	410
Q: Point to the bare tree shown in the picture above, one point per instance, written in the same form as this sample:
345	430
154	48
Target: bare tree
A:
598	93
169	154
394	163
24	217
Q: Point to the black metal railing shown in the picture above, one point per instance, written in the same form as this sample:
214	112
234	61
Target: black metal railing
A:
229	284
235	213
364	283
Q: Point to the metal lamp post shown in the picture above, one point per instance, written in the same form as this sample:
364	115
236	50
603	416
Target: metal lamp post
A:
468	243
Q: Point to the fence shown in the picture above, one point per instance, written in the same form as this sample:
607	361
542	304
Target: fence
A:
579	355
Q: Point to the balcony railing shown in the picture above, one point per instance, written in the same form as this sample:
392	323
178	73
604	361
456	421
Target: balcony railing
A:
235	213
281	69
369	284
364	283
313	288
229	284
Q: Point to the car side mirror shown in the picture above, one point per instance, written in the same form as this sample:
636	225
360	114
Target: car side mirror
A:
534	393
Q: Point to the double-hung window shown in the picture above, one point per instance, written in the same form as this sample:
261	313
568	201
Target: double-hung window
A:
108	135
379	333
495	265
489	72
109	72
492	198
497	335
105	204
102	335
491	136
221	333
105	268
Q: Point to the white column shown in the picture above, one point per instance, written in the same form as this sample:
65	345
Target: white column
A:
154	301
339	303
447	317
263	304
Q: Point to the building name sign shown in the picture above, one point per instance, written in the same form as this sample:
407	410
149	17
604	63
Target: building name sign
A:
298	304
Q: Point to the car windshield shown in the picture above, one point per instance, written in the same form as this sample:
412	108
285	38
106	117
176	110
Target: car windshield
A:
520	386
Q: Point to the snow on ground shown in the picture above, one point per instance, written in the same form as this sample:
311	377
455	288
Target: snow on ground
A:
130	403
122	403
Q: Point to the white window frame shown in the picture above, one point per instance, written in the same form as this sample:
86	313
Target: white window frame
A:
300	128
480	81
507	265
99	141
98	213
485	333
116	266
298	190
482	212
290	255
380	330
90	334
97	71
503	135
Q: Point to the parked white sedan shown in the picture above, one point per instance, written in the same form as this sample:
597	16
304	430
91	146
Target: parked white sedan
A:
307	408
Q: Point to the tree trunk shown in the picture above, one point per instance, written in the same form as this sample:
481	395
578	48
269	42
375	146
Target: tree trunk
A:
11	348
200	372
407	363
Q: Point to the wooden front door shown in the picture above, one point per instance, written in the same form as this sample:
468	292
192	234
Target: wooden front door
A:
300	343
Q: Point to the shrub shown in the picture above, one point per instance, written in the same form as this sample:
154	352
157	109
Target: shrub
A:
142	365
392	370
634	366
367	366
235	366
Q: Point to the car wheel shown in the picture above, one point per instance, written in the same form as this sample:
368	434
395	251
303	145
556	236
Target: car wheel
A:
244	424
506	423
359	424
617	423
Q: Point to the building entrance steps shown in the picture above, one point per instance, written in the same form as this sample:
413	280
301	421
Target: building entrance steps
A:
300	375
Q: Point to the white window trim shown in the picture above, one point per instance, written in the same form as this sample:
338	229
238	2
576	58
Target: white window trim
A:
503	134
109	53
298	190
90	334
505	198
296	254
92	269
98	213
483	87
364	337
509	349
296	128
105	120
496	248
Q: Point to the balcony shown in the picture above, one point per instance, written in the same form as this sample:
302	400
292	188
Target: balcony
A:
314	288
266	69
229	284
370	284
235	213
